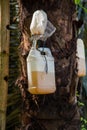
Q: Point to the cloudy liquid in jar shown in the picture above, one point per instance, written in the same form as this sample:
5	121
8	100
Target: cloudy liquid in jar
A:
81	67
42	83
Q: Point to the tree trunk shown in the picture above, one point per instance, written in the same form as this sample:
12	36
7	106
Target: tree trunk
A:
58	110
4	60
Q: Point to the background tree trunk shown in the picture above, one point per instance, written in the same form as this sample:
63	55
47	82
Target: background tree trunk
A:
58	110
4	60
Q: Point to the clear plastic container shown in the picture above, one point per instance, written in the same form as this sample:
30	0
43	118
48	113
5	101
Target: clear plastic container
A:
41	71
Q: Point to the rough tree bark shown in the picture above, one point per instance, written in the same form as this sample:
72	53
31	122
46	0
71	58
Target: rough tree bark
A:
58	111
4	60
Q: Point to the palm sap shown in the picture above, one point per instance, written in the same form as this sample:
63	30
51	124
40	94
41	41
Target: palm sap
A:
41	83
41	71
81	64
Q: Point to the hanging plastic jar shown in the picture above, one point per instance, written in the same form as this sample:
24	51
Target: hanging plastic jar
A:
41	71
81	64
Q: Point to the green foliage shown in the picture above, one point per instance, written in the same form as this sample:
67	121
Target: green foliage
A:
80	103
83	123
85	35
14	106
83	119
14	97
78	2
81	6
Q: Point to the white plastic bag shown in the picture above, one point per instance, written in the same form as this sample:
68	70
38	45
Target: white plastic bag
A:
38	23
50	29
